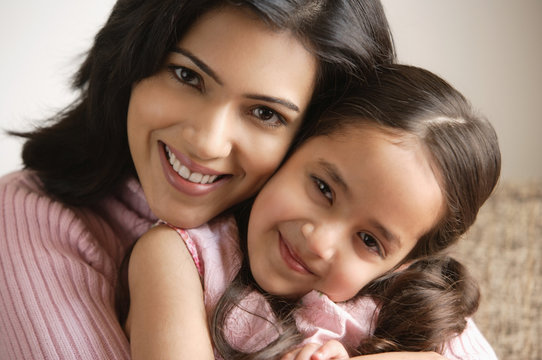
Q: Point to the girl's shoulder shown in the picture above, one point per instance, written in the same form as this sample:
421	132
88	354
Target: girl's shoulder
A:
219	238
469	345
214	247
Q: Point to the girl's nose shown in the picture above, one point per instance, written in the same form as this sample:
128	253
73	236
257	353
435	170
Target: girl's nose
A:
210	134
322	239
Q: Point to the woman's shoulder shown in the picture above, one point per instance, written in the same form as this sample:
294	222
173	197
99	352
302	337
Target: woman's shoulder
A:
22	195
97	234
28	210
20	183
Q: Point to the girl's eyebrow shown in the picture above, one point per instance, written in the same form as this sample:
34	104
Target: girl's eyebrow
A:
391	238
199	63
333	172
206	69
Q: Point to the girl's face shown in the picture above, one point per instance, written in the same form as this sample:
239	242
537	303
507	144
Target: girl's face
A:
342	211
208	130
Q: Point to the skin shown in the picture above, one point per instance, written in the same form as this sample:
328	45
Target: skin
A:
167	317
344	210
334	350
227	103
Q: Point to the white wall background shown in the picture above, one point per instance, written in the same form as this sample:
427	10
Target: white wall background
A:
42	43
491	50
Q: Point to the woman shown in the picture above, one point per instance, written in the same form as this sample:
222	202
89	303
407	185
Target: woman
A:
171	114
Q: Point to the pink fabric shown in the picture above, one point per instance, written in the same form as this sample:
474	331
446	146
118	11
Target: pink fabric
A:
58	268
319	319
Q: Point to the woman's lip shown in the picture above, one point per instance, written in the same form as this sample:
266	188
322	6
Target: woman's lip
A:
192	166
291	258
183	185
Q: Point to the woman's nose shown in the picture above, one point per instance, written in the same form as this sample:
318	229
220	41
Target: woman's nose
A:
322	239
210	134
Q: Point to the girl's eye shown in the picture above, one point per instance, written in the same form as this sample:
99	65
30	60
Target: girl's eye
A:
186	76
323	188
268	116
371	243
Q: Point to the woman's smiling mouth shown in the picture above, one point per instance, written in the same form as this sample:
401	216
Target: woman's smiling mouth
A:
185	172
187	177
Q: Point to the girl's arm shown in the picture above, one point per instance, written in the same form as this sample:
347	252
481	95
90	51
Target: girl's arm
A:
167	317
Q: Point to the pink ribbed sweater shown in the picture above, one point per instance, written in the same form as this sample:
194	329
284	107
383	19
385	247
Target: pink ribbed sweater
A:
58	267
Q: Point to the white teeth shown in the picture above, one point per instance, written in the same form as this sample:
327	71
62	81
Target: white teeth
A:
185	173
195	177
176	165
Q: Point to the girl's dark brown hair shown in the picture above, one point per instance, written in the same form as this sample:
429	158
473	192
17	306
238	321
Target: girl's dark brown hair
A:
422	307
82	154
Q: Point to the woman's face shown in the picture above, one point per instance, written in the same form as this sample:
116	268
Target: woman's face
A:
342	211
211	126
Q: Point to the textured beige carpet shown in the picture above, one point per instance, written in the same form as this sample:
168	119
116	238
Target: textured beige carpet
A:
503	250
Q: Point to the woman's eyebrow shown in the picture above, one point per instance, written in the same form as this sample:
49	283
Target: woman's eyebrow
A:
199	63
290	105
206	69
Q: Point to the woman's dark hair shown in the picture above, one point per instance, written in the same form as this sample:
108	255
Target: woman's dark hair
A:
415	105
83	154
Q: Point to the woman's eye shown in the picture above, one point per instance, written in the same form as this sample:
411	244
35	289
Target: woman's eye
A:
371	243
186	76
268	116
324	189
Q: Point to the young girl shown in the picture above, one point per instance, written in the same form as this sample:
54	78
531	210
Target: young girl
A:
185	108
389	178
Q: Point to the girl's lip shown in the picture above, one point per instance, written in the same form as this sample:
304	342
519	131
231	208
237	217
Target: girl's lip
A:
184	186
291	259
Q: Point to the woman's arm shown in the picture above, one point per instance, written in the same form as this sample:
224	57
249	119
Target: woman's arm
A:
167	317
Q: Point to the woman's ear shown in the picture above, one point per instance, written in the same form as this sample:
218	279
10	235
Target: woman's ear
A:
402	267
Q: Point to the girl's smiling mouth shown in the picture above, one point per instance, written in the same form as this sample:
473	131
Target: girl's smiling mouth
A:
291	259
